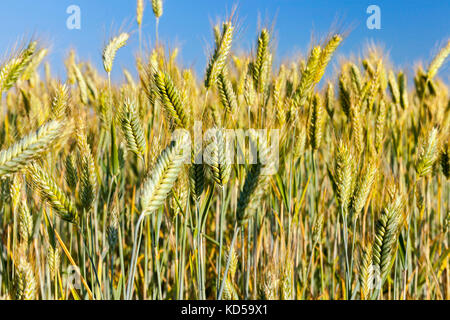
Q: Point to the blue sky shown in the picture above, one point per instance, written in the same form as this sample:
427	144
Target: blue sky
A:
411	30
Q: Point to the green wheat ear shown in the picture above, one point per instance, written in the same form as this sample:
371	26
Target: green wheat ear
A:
52	193
170	98
132	128
15	67
160	182
219	163
387	231
30	148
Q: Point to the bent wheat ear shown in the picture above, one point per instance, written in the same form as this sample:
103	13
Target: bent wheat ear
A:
132	128
51	192
219	57
308	78
14	68
325	56
156	188
438	61
109	53
30	148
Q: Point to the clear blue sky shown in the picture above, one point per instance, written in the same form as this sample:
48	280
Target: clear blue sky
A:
410	31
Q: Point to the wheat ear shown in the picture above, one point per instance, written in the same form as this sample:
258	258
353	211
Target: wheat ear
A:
52	193
170	98
132	128
109	53
30	147
219	57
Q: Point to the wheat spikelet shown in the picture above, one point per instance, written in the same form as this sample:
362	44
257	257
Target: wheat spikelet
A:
343	175
363	187
325	56
88	180
14	68
219	57
229	292
317	122
157	6
170	98
14	190
25	281
269	287
218	157
356	78
51	192
262	63
278	88
357	127
438	61
308	77
226	92
25	222
366	272
60	102
33	64
84	96
344	96
30	148
139	11
287	282
380	124
403	87
329	99
255	186
71	172
132	128
196	174
428	153
53	259
109	53
113	227
156	188
318	227
386	233
393	87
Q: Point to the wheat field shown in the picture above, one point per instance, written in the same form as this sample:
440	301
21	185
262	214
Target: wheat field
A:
98	199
